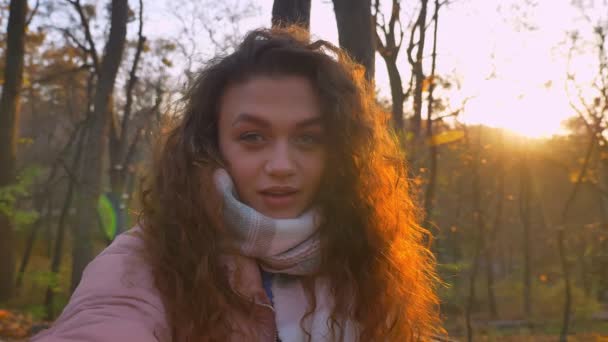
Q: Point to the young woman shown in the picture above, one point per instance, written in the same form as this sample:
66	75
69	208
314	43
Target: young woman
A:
278	209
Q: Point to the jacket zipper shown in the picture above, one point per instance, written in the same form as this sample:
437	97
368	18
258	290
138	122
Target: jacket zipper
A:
271	307
276	332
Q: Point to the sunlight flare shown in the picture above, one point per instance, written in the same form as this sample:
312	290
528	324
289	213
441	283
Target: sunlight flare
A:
536	112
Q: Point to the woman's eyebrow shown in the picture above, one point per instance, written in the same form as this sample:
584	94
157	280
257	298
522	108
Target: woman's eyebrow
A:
254	119
316	121
251	118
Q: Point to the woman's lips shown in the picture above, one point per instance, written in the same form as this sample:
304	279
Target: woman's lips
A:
278	200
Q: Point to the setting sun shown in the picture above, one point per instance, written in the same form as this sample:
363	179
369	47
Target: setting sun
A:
536	112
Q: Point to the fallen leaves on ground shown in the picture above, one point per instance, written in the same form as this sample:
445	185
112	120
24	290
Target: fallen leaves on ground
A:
14	325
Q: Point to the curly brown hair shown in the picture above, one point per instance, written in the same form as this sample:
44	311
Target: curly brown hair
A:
381	273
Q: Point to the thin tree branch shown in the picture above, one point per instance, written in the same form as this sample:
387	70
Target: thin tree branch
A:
51	77
87	32
75	40
71	175
124	131
560	237
32	13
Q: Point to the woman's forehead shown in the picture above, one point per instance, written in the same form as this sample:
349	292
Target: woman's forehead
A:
271	100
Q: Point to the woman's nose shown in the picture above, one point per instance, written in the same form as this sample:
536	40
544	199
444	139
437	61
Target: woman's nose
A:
280	162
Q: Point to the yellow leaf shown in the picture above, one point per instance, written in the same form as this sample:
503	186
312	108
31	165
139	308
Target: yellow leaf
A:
25	141
574	176
166	62
409	136
26	81
446	137
426	83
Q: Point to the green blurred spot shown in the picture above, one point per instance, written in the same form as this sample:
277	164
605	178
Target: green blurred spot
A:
107	216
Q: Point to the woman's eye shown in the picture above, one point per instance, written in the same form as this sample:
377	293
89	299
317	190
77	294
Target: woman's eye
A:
251	137
308	139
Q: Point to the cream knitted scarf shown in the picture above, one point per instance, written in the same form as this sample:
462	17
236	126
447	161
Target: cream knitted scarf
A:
288	246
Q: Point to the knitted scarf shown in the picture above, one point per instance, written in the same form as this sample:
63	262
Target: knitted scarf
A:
287	246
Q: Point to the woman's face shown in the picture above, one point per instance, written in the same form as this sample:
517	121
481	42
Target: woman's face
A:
272	138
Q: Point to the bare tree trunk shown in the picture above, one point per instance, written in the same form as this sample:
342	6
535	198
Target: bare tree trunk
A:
95	143
561	240
9	123
119	140
584	268
479	242
491	243
455	251
46	201
355	32
429	197
389	50
524	210
416	63
602	260
58	249
563	336
397	95
489	248
291	12
48	232
29	244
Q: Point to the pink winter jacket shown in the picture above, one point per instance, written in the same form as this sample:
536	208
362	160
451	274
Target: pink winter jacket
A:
116	300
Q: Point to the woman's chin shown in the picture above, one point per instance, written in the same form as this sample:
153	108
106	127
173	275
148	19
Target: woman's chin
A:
283	213
278	207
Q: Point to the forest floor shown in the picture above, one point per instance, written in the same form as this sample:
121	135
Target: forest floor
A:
17	327
595	330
